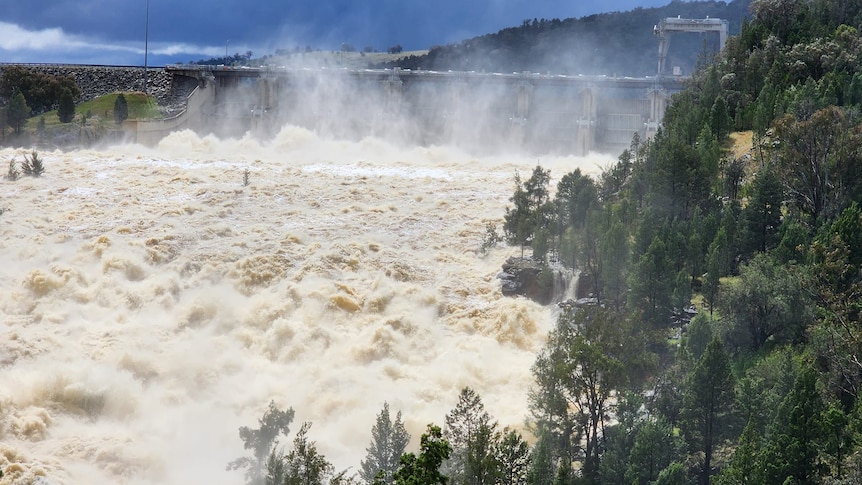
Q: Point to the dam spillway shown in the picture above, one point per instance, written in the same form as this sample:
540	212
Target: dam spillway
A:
540	113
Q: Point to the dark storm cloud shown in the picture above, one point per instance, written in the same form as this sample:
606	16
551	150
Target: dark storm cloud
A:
68	30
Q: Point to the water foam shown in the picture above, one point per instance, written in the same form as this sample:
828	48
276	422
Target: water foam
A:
151	303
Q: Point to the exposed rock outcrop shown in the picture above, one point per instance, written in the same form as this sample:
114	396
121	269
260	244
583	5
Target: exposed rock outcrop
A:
544	284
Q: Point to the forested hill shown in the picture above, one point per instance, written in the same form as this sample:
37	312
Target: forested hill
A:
764	385
619	43
745	209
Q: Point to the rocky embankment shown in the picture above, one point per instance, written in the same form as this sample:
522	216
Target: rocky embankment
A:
544	284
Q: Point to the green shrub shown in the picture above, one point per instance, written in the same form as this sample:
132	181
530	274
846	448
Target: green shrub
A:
33	165
13	174
491	237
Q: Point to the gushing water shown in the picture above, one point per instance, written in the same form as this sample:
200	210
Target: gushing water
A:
151	303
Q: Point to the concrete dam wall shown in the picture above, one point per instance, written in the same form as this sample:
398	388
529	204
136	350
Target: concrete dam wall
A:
481	111
478	111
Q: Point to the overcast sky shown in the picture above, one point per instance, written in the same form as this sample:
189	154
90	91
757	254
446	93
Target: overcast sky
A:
113	31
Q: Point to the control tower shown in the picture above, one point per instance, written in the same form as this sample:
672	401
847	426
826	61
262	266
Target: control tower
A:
669	25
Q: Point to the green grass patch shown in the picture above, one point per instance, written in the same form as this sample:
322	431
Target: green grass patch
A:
727	281
140	105
698	301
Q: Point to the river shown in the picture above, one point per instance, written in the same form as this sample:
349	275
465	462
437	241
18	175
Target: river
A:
152	303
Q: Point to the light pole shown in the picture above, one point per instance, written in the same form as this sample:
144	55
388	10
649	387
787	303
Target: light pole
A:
225	50
146	47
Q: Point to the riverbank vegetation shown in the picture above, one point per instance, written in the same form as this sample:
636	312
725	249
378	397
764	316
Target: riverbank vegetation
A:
762	385
84	124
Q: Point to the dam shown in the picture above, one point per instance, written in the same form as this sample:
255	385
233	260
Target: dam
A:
538	113
527	111
535	113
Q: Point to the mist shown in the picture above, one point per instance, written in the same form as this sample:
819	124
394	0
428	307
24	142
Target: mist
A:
484	114
152	303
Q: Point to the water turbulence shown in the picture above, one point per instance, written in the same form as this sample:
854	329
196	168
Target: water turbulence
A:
152	302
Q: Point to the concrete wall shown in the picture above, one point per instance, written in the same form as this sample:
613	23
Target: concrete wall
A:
194	117
541	113
544	114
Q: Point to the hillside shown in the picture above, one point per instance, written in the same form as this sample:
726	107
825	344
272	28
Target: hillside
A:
619	43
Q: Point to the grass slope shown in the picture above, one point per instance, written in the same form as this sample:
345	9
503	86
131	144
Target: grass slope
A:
140	106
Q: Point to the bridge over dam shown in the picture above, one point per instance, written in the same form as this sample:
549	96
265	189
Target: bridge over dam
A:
538	113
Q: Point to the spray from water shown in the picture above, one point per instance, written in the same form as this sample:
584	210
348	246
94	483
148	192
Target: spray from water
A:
152	303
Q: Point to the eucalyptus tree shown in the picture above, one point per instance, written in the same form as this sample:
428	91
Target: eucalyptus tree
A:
263	442
591	353
817	161
768	302
424	468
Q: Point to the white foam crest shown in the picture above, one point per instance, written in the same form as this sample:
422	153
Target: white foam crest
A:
152	303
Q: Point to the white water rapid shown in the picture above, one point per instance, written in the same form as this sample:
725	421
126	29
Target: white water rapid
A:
151	304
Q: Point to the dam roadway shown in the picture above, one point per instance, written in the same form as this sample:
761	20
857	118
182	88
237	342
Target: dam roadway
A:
540	113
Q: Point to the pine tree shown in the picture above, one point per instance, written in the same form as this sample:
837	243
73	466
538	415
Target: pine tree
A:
66	109
744	467
651	284
655	448
33	166
762	215
471	433
533	211
13	173
712	280
708	396
513	455
795	435
121	109
674	474
304	464
17	112
541	470
388	441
